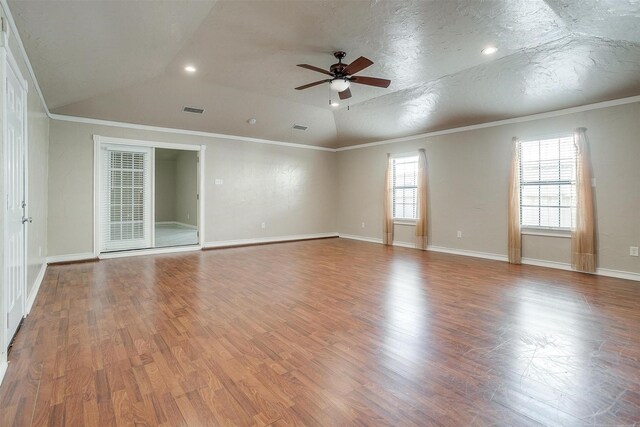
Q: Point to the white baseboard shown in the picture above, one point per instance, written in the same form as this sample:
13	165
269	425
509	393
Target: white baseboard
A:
36	287
3	368
547	264
465	252
618	274
181	224
258	240
154	251
497	257
361	238
71	257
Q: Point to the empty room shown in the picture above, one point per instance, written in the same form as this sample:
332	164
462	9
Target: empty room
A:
320	213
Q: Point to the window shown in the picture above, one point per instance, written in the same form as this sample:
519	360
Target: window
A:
548	183
405	187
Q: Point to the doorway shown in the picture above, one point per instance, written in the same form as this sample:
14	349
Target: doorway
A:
147	196
176	198
15	185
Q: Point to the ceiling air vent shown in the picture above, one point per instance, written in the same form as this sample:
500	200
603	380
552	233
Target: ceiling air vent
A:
193	110
300	127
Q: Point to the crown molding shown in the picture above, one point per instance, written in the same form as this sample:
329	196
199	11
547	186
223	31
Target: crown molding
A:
14	29
101	122
539	116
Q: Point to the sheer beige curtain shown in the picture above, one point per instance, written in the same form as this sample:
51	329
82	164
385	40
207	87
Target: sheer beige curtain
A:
387	205
421	223
514	235
583	250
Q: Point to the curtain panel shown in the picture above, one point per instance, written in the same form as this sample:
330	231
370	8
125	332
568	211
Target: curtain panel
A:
421	223
387	205
583	251
514	232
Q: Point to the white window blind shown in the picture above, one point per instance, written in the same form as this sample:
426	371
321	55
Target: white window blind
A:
548	183
125	198
405	187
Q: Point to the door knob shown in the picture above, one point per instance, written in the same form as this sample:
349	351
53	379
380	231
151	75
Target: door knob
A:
29	220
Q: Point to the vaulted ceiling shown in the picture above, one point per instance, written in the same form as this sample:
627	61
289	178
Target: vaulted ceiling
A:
124	61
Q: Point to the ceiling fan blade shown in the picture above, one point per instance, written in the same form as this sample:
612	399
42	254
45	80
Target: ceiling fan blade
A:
319	82
345	94
371	81
312	68
357	65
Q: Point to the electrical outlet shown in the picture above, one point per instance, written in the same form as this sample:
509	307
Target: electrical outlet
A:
188	215
263	225
39	251
459	234
633	250
362	224
218	181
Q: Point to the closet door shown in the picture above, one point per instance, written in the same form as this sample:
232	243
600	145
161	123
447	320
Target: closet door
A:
126	221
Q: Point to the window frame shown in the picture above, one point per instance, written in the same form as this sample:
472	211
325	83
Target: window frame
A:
404	220
541	230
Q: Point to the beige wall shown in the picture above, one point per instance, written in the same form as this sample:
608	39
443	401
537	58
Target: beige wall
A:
165	189
186	195
291	190
468	173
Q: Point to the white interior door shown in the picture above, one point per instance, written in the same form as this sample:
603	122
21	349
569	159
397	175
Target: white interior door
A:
126	220
14	155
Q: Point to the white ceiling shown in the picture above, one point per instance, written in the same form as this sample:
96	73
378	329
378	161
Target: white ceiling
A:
124	61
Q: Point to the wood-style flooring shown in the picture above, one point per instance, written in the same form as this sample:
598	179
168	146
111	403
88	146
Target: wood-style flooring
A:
328	332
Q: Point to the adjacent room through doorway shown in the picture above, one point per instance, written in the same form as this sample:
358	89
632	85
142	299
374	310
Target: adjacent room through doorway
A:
176	198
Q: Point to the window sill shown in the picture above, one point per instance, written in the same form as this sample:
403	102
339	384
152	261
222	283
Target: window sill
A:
404	222
547	232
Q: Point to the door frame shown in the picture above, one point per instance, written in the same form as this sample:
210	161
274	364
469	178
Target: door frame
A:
98	141
7	60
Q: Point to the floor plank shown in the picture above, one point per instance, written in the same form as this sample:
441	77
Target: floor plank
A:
326	332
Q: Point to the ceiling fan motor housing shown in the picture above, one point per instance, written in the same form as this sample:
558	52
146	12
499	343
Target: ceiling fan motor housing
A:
338	68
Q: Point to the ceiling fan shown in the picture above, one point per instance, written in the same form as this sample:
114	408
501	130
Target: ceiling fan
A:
342	75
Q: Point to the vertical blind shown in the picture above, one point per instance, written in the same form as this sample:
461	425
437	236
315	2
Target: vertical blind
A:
405	187
125	198
548	183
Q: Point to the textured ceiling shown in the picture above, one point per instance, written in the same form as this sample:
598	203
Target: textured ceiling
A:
124	61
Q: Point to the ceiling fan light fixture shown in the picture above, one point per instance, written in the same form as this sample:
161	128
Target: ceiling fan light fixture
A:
339	84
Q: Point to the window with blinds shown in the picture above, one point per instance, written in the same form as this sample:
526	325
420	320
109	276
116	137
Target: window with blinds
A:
126	198
405	187
548	183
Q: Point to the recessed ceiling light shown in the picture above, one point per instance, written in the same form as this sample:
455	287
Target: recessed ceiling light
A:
489	50
335	104
190	69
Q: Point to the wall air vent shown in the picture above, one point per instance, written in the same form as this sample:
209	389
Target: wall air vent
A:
300	127
193	110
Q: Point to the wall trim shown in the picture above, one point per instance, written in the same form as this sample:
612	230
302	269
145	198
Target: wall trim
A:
182	224
36	287
465	252
618	274
86	120
628	275
3	369
85	256
153	251
23	52
264	240
539	116
547	264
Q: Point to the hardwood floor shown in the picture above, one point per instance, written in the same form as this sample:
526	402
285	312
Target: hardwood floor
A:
328	332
